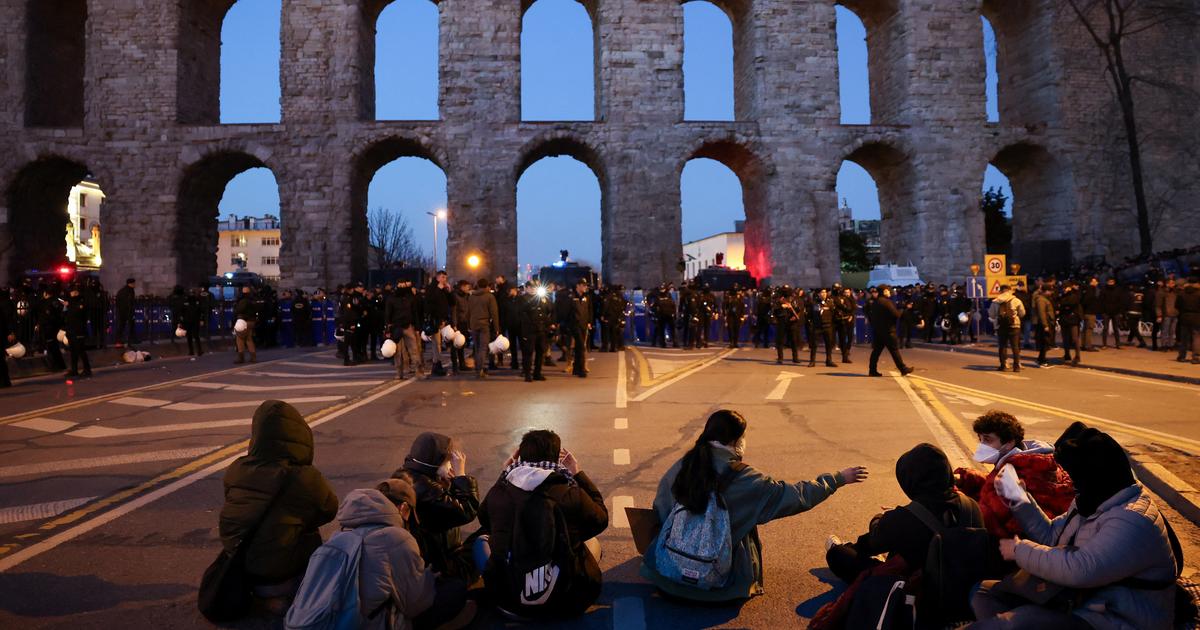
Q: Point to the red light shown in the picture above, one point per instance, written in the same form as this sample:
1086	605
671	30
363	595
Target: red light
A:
65	270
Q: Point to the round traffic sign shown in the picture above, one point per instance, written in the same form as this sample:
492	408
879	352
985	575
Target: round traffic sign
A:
995	265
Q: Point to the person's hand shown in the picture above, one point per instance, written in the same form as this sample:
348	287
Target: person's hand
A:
458	463
12	339
512	459
1008	548
568	461
855	474
1009	486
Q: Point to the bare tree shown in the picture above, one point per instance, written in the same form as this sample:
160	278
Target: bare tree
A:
1111	24
392	242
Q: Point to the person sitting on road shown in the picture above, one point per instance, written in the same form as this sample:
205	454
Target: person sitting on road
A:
542	519
275	493
924	475
447	499
713	469
1106	563
1002	442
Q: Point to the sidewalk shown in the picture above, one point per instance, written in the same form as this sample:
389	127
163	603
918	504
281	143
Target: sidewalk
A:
34	366
1129	360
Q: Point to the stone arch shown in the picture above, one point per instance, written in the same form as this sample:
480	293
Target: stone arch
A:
890	165
742	20
752	171
37	213
572	146
885	56
1043	217
1023	51
728	10
201	187
198	61
369	14
55	59
590	7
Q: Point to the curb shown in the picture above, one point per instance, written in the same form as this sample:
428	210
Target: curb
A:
1189	380
1178	493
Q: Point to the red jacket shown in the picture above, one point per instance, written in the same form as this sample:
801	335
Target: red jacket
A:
1045	480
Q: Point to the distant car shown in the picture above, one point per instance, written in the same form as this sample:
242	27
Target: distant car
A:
228	286
566	274
894	275
724	278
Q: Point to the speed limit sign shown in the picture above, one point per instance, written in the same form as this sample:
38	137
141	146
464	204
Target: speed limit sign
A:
994	264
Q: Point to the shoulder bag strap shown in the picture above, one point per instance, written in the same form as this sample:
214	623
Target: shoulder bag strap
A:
287	481
726	478
925	516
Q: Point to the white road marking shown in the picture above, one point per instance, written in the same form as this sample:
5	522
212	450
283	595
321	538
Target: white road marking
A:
232	387
629	613
102	462
620	457
95	432
785	380
621	423
39	511
68	535
1011	377
320	374
972	400
1135	379
45	425
657	388
622	382
678	353
663	366
328	366
619	520
187	406
949	445
134	401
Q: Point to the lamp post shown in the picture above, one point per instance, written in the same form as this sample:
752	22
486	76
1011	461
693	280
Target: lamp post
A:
440	214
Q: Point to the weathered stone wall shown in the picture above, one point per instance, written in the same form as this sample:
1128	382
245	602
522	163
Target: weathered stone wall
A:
150	137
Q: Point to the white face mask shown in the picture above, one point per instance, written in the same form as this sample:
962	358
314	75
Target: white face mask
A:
985	454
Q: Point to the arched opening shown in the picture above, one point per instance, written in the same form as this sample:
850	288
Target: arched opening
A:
54	218
714	217
396	182
55	59
203	199
1022	50
996	206
707	62
1042	194
871	73
404	56
558	61
991	78
719	179
874	196
228	62
560	206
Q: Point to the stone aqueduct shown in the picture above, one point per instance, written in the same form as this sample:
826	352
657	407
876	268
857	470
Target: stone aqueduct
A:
128	91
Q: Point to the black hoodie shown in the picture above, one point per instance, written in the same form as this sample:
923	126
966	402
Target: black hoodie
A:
443	506
1096	463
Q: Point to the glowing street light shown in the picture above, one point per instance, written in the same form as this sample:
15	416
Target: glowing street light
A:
473	261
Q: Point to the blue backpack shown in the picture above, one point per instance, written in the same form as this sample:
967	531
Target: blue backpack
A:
328	596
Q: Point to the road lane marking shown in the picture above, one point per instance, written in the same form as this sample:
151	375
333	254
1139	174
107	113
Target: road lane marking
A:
150	491
329	366
629	613
619	519
98	432
622	382
1135	379
189	406
321	374
966	438
1179	442
620	457
657	388
621	423
135	401
45	425
39	511
233	387
949	445
103	462
785	380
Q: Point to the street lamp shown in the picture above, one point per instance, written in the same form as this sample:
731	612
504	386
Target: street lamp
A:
440	214
473	261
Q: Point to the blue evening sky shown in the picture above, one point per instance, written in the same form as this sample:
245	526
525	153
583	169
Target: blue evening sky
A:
558	199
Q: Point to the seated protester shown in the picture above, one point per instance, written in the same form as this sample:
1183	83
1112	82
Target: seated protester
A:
924	476
542	517
1002	441
713	468
1106	563
431	600
447	499
275	493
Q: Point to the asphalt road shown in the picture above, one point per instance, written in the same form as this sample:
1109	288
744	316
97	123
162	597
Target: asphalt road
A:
110	487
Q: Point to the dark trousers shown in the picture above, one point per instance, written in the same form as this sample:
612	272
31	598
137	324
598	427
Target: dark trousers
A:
788	334
661	325
302	333
1045	340
193	339
1009	338
5	381
845	336
930	326
515	343
733	330
1189	339
762	333
533	353
358	344
846	562
79	353
449	597
1070	342
125	330
579	339
820	334
53	352
885	339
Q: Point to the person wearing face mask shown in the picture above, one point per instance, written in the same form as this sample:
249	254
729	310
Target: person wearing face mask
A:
1107	563
1002	442
447	499
714	466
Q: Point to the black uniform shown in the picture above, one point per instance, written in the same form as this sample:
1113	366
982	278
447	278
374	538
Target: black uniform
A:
125	329
579	322
663	307
787	327
612	336
77	330
302	321
844	309
820	325
49	322
883	316
762	320
536	316
191	316
707	311
734	311
7	328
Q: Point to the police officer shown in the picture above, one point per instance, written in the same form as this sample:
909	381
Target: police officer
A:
191	317
8	335
707	312
246	310
580	322
734	311
664	317
762	319
537	324
845	307
883	315
77	329
821	317
787	324
613	335
49	322
302	320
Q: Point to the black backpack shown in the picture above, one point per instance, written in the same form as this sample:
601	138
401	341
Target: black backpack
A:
958	558
539	566
1007	317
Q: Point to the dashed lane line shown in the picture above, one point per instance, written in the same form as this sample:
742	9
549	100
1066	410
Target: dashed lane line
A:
91	463
64	529
622	383
620	423
618	518
620	457
39	511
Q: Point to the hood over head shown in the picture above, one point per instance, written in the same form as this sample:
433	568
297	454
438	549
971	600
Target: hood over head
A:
279	432
1098	466
367	506
427	453
924	474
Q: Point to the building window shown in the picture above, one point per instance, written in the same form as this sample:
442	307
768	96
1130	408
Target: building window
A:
270	240
238	240
270	260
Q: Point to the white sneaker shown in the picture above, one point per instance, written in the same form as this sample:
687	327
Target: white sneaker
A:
832	542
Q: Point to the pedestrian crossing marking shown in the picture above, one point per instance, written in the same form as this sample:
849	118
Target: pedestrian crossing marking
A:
134	401
96	432
189	406
39	511
231	387
45	425
102	462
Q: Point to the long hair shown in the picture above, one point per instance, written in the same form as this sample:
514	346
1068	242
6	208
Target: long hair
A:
697	479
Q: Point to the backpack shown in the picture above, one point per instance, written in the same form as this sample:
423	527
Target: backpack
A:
883	602
1007	315
958	558
328	596
540	565
696	550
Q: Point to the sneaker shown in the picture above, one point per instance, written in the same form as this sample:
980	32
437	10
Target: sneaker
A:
833	541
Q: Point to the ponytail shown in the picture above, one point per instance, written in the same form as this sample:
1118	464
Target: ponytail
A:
697	479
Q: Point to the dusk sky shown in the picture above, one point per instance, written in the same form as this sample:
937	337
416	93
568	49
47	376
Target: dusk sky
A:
558	199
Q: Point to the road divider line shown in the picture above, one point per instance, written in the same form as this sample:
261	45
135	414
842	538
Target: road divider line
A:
39	511
657	388
622	382
24	470
621	423
618	518
150	491
949	445
620	457
629	613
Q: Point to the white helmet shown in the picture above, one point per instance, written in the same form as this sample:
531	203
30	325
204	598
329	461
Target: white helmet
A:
447	332
389	349
424	337
944	323
963	318
62	338
501	344
16	351
239	325
460	340
180	332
